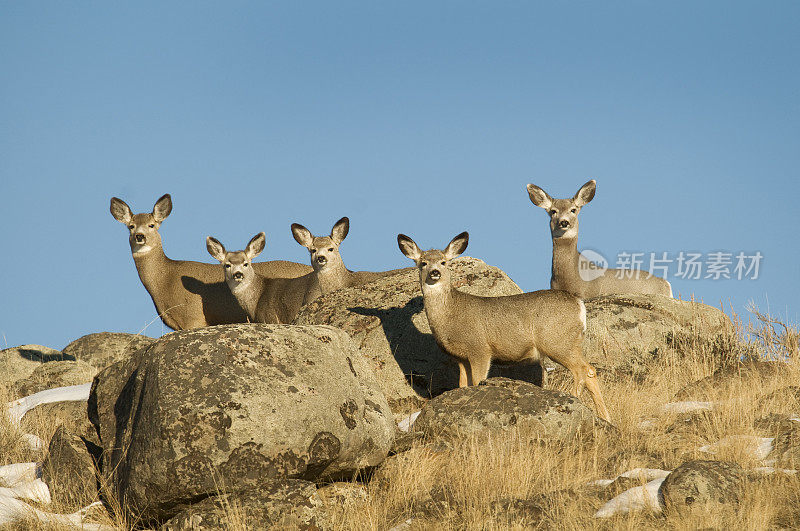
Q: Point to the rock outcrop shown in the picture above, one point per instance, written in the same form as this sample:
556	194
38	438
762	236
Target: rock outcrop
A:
242	404
104	348
701	486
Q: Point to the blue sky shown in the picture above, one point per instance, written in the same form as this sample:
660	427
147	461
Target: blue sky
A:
426	118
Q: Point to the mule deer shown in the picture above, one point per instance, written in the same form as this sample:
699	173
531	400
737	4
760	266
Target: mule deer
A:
566	274
265	300
327	262
476	330
186	294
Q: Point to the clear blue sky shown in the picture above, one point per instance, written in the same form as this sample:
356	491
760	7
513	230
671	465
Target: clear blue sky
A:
426	118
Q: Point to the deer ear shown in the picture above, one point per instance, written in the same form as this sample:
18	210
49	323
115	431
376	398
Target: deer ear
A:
162	208
340	230
215	248
302	235
121	211
408	247
586	193
255	245
456	246
539	197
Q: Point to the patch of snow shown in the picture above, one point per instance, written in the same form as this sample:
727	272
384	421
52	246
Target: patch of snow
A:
758	447
402	526
767	470
70	393
601	482
647	474
10	475
686	406
406	423
13	510
34	442
635	499
35	490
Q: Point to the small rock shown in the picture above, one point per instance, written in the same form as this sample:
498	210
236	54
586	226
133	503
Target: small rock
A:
500	404
18	363
286	504
69	471
696	487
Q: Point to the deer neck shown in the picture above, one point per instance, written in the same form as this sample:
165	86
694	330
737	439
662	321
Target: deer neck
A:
333	277
151	266
438	302
565	263
247	294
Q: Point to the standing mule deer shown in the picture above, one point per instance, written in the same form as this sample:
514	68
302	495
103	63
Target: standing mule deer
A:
326	260
265	300
186	294
476	330
567	260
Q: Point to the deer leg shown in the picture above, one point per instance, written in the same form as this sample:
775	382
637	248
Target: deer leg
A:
479	368
463	379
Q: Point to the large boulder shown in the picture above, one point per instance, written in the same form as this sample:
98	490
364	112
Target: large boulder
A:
282	504
698	487
244	403
104	348
386	318
624	332
502	404
729	379
55	374
17	363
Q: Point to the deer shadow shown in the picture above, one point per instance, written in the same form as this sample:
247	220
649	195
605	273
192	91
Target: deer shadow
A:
428	369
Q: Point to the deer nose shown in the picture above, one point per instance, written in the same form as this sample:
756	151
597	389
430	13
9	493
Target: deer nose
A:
563	223
139	237
238	275
435	275
321	260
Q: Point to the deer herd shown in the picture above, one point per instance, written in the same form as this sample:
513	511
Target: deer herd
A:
474	330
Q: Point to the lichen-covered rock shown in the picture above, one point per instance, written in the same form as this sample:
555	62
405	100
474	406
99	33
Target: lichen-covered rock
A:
386	318
104	348
247	403
500	404
55	374
696	487
69	471
786	447
726	378
624	332
282	504
17	363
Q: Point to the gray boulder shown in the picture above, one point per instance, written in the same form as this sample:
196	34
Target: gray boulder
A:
17	363
502	404
282	504
625	332
55	374
72	415
247	403
723	379
69	471
104	348
698	487
386	319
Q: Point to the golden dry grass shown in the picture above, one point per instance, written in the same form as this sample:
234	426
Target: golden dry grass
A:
511	481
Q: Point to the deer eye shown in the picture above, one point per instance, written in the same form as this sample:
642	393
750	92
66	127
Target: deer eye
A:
245	264
573	210
227	266
443	262
131	227
151	225
330	249
423	264
553	212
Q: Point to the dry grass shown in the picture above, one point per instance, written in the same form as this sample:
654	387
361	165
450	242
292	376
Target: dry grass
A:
512	481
